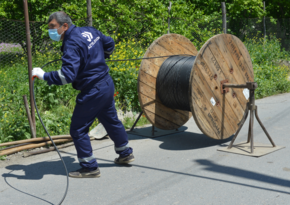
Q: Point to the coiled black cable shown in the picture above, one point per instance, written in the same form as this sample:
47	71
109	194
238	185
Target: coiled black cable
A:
172	83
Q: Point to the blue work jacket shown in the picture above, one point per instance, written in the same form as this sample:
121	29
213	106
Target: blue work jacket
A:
83	61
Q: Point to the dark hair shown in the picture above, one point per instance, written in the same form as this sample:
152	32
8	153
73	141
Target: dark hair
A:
61	17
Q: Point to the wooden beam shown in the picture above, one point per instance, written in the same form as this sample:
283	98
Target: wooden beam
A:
224	12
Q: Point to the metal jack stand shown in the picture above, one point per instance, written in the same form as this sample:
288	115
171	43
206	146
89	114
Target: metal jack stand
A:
250	107
153	132
132	128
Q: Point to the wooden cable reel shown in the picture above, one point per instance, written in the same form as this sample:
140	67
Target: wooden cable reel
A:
217	112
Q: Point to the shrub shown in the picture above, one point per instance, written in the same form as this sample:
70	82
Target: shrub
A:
125	73
271	78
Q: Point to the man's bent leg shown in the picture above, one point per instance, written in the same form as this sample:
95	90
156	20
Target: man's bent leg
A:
79	131
114	127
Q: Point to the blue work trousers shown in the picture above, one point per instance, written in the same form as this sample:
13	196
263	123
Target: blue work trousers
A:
97	102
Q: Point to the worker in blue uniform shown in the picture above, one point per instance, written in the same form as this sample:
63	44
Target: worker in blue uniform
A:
83	64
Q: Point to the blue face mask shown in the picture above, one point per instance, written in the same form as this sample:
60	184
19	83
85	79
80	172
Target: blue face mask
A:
53	34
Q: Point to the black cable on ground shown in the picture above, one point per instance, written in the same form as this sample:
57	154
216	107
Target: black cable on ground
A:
67	183
172	83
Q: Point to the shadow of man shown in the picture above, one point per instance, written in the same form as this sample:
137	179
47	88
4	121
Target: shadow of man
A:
38	170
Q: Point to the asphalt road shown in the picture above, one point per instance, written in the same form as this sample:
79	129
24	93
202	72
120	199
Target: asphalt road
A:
183	168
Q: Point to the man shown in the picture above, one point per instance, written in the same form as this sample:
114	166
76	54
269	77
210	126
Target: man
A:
83	64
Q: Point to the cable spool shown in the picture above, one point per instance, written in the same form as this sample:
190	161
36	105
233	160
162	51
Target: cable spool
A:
222	59
174	75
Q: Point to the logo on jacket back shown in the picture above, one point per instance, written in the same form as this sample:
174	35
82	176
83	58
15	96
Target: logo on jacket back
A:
88	35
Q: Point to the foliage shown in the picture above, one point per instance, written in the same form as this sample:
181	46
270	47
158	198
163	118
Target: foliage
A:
245	8
11	111
56	103
130	19
278	8
235	8
265	51
119	11
52	101
271	80
271	77
125	73
38	9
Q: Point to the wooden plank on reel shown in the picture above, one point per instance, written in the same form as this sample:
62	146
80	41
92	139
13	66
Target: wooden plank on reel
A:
147	84
223	57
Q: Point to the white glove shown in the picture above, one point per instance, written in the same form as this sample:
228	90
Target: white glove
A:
38	72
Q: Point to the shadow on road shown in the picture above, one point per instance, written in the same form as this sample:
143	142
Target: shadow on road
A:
227	170
188	141
242	173
37	171
178	141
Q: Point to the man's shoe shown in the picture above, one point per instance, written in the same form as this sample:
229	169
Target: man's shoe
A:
125	160
85	173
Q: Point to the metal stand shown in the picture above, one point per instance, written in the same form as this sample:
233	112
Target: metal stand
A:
151	134
250	107
132	128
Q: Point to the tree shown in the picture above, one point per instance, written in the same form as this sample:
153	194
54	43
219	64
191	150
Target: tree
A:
140	19
278	8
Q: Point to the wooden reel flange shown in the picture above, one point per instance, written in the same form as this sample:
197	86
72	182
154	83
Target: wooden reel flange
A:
217	112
